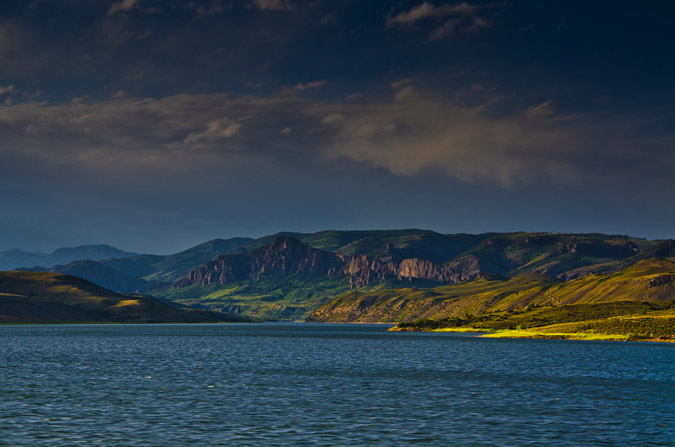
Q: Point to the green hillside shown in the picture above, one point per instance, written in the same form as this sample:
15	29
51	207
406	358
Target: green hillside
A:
650	280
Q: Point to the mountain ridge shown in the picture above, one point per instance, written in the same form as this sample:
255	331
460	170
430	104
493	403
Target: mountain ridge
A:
331	262
286	256
17	258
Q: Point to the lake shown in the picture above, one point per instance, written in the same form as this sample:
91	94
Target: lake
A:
326	384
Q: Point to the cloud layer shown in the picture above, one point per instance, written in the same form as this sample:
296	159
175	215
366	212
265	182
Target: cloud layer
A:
410	134
446	19
427	10
284	114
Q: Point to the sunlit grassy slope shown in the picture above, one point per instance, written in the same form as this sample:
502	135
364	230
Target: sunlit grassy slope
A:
617	320
651	322
38	297
649	281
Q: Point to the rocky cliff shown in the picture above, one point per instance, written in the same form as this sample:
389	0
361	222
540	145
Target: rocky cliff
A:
287	256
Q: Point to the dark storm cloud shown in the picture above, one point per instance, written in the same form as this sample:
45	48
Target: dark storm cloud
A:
143	45
446	20
193	113
411	133
272	5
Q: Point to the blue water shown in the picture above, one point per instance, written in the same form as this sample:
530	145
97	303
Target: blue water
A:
307	385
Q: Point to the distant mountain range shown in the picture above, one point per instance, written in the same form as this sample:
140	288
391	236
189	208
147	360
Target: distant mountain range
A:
15	258
290	275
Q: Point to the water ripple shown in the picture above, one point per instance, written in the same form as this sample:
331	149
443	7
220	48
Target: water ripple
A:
319	385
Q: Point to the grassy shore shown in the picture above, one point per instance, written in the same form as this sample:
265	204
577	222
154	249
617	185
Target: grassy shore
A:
537	334
531	333
630	321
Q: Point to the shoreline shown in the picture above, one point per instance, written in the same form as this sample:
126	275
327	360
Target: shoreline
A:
534	335
479	333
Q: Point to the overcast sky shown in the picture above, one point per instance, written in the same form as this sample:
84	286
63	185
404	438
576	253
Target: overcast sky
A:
154	125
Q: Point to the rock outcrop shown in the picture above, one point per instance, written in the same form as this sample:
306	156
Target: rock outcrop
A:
287	256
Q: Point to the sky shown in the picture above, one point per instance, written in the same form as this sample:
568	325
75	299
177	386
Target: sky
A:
154	125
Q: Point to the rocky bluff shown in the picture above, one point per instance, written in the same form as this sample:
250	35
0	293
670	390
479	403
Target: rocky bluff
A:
287	256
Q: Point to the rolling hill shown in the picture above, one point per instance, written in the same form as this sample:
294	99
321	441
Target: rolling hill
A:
41	297
651	280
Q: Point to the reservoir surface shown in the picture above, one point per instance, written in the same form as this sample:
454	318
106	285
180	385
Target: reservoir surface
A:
326	384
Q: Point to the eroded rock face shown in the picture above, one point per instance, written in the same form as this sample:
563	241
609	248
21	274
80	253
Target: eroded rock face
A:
422	268
287	256
283	257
